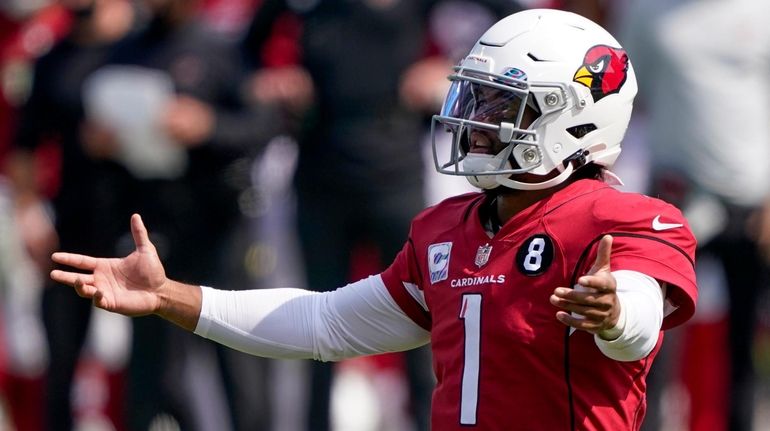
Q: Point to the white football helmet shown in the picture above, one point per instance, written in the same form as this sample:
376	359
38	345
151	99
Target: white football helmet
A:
543	92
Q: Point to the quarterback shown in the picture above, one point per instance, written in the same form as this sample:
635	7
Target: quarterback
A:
544	296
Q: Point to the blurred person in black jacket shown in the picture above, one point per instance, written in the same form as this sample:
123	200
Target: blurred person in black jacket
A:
193	205
368	75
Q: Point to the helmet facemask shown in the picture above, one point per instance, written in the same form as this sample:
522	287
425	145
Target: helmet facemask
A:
492	120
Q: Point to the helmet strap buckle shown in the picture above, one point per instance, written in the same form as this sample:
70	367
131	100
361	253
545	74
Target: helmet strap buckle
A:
578	159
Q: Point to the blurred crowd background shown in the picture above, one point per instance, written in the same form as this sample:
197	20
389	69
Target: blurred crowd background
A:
272	143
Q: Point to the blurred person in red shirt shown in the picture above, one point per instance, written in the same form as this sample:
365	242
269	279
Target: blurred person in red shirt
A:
186	135
28	30
52	117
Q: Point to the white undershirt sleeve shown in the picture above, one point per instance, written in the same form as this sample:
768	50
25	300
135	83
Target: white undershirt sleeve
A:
641	301
358	319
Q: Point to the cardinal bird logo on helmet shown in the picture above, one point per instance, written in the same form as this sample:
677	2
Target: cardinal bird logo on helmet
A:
604	71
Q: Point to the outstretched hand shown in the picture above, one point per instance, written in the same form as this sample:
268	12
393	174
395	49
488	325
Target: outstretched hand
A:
593	305
128	285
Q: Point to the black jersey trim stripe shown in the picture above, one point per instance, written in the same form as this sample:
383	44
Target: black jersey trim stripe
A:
653	238
410	241
476	203
568	381
647	363
425	313
587	250
469	209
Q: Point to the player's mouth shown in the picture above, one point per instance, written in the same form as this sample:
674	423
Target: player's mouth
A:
481	143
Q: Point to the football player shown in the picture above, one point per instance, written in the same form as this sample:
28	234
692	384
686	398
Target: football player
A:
544	296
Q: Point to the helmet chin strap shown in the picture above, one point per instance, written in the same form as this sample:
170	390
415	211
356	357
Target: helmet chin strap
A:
518	185
489	182
486	182
483	162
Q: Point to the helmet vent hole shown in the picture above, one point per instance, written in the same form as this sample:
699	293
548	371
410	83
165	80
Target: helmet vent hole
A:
581	130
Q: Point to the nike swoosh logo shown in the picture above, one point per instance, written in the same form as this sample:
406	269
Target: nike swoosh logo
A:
658	225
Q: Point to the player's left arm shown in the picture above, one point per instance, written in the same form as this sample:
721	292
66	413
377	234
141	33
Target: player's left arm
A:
623	309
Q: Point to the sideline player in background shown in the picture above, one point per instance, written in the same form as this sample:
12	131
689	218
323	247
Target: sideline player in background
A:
543	297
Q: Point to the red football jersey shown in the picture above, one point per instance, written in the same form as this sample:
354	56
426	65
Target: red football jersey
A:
501	359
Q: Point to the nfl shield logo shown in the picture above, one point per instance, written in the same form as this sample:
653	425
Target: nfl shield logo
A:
482	256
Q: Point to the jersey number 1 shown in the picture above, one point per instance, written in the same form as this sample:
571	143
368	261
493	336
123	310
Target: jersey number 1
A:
470	314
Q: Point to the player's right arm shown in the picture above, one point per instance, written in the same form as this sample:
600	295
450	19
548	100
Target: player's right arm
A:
358	319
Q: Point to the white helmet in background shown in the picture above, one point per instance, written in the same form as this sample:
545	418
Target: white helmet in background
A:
553	89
